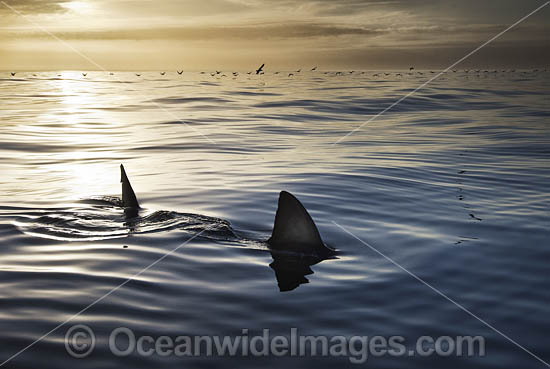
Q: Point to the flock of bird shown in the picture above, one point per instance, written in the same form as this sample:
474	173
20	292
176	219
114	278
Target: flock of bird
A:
411	72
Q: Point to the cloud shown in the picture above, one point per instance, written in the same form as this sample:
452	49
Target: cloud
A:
35	6
342	32
245	32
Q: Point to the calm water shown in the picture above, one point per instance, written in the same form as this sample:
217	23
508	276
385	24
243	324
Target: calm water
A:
451	184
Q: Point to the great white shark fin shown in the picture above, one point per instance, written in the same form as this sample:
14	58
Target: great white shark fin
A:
294	229
129	199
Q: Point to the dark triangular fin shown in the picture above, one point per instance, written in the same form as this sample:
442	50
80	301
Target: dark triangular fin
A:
129	199
294	230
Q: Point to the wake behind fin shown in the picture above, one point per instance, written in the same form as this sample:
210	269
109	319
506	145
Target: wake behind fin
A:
129	199
294	229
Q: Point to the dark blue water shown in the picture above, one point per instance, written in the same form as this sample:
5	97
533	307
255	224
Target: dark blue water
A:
451	186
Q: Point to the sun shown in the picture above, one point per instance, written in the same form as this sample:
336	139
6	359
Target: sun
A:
78	6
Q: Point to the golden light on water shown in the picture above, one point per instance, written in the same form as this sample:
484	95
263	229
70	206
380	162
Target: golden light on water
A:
79	136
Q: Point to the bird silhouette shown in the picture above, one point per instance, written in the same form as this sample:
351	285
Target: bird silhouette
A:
84	74
162	73
138	74
299	70
314	68
13	74
181	71
218	72
260	69
290	74
411	68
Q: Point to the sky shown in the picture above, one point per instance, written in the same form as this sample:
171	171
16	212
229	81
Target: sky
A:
284	34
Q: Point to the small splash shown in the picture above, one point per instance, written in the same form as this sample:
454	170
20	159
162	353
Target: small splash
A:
103	201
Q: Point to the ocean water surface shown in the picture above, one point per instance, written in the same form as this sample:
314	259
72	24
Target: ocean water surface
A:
439	210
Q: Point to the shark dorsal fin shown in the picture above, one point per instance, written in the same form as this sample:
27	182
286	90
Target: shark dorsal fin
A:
294	230
129	199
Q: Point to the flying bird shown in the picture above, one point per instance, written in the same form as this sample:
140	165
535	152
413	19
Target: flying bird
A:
84	74
181	71
299	70
162	73
260	69
411	68
290	74
314	68
13	74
